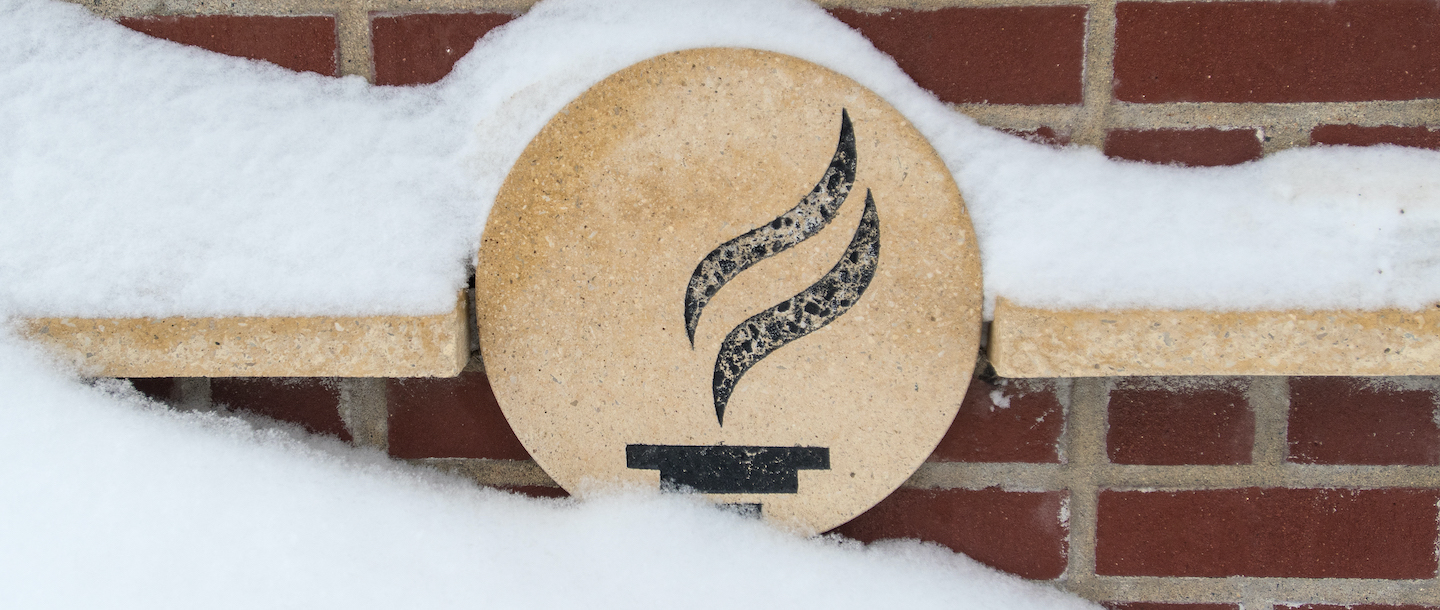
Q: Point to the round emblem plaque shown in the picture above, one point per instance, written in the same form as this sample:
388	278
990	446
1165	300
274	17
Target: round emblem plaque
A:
732	272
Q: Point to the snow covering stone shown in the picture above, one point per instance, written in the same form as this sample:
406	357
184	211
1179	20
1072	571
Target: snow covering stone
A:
140	177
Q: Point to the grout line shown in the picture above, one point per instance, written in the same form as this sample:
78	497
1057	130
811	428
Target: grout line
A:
448	6
365	411
352	41
1260	592
1296	117
1009	476
1269	399
193	394
1053	477
1099	74
1292	476
1085	455
140	8
1014	116
491	473
1284	137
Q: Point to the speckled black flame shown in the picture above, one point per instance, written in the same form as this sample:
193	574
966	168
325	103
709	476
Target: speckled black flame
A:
804	313
794	226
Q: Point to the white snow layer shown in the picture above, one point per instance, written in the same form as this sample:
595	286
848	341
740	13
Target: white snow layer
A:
110	501
139	177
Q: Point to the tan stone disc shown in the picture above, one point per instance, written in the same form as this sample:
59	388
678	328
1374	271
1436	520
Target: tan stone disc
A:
843	367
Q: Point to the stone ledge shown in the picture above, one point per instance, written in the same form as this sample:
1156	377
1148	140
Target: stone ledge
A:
1033	342
369	346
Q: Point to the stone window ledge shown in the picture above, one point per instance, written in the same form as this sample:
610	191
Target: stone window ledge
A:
1033	342
368	346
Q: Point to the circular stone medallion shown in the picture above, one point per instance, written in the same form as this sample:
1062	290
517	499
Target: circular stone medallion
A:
735	272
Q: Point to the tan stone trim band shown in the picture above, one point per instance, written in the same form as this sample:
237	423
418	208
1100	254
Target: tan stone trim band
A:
373	346
1032	342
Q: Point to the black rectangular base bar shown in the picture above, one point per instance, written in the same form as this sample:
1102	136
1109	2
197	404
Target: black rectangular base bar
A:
727	469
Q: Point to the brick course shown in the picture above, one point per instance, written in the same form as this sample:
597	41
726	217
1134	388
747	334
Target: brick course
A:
1179	425
1347	50
1298	533
1027	429
1018	532
1011	55
1356	135
433	418
1340	420
1194	147
423	48
302	44
311	402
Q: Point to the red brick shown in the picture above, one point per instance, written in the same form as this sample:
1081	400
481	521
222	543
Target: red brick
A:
1298	533
311	402
538	491
423	48
1028	430
1007	55
1355	135
1042	135
1165	606
1344	50
1343	420
158	388
1358	607
1019	532
302	44
1194	147
1179	424
456	417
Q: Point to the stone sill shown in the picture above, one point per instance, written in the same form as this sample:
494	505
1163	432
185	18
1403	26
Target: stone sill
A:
1032	342
1024	342
370	346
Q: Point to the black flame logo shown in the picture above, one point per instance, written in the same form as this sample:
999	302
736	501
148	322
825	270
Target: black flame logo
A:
824	301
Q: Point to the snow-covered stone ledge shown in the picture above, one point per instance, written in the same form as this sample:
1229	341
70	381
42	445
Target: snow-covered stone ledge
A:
1036	342
320	346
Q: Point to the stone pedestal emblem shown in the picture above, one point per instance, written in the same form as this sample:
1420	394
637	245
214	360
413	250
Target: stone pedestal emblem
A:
735	273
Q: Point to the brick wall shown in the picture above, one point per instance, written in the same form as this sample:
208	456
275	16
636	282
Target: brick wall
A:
1141	493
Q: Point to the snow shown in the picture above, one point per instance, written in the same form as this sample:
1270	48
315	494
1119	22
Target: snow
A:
114	502
141	177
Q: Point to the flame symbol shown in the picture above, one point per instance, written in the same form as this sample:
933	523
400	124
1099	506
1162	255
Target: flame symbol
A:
824	301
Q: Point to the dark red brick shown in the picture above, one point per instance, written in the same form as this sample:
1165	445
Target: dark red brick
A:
311	402
1297	533
1344	50
302	44
1355	135
1344	420
1042	135
1028	430
158	388
1358	607
1180	424
1165	606
1194	147
423	48
1004	55
456	417
538	491
1019	532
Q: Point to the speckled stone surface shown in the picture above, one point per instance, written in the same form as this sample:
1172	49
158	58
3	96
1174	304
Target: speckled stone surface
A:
701	187
1033	342
376	346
